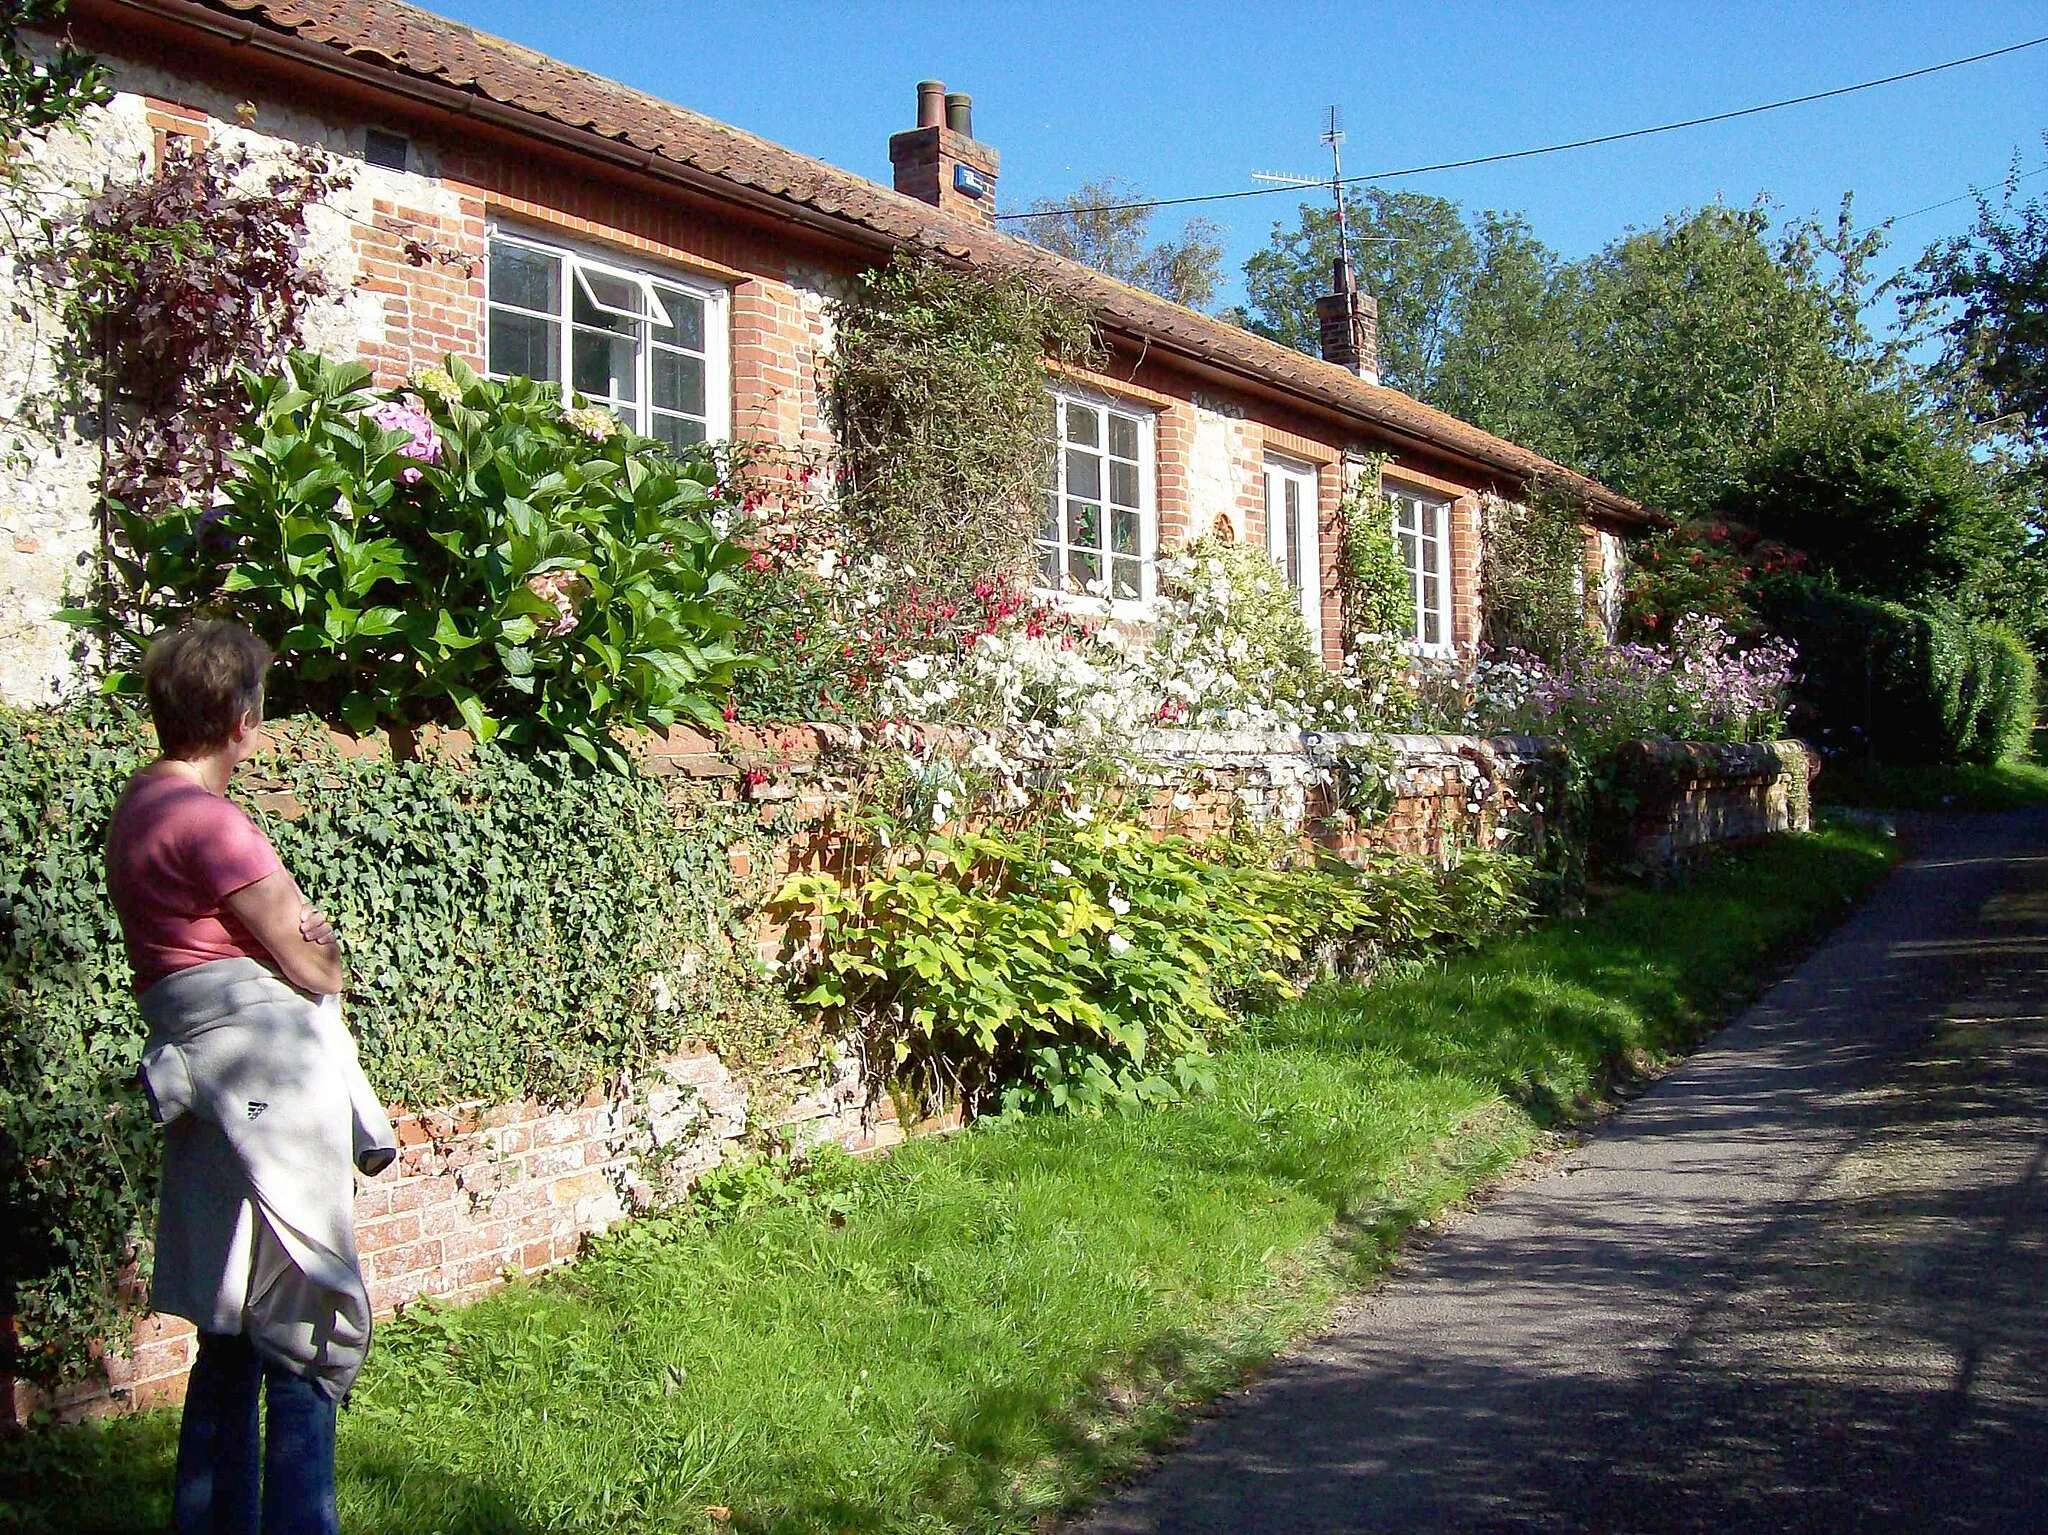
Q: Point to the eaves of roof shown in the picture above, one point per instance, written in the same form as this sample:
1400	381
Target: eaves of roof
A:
413	53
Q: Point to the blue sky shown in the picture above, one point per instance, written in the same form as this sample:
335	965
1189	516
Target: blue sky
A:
1192	96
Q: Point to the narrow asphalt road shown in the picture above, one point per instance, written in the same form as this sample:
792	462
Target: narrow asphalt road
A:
1800	1285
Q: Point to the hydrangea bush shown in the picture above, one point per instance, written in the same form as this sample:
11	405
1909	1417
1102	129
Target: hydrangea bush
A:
464	550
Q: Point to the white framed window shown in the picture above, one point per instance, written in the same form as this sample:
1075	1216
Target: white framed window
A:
649	346
1100	534
1422	530
1293	538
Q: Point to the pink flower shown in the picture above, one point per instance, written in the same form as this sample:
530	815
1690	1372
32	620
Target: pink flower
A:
564	589
410	418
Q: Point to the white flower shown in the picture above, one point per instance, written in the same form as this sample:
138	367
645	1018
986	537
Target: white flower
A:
1059	868
828	562
1119	905
1119	945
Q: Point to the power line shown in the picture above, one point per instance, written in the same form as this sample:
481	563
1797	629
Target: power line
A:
1547	149
1950	202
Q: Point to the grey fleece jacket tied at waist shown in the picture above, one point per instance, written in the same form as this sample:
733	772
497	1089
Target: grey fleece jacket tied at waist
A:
266	1114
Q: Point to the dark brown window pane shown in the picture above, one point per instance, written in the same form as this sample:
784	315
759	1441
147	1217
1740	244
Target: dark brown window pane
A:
686	319
603	364
1123	531
1123	437
529	278
1084	524
1127	578
1084	475
1123	483
678	382
678	432
1048	565
525	345
1084	426
1084	567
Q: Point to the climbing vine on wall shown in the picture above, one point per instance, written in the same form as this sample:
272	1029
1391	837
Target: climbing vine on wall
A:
171	284
1372	581
937	395
1533	574
513	928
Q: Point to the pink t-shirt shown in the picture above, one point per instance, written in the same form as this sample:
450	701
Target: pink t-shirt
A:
175	853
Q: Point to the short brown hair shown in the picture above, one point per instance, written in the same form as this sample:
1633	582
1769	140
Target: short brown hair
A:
200	680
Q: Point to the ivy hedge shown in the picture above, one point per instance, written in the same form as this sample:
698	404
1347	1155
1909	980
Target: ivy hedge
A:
514	928
1900	684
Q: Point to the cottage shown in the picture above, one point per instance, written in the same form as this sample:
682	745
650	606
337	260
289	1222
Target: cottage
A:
537	219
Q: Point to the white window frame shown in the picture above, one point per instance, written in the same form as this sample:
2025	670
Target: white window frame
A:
1063	397
579	263
1306	577
1428	592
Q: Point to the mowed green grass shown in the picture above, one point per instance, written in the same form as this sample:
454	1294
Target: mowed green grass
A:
2013	785
980	1330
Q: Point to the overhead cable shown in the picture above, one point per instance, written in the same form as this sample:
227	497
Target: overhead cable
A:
1547	149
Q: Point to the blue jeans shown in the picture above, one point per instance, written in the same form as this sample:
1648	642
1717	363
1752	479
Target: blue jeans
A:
219	1488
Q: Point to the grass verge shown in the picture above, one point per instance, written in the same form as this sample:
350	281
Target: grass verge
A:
2014	785
972	1334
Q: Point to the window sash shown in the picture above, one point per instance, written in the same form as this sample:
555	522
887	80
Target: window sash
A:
1421	527
1097	539
1293	537
625	351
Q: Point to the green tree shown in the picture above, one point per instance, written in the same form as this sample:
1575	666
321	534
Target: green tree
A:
1508	362
1696	343
1412	253
1987	295
1094	228
1882	505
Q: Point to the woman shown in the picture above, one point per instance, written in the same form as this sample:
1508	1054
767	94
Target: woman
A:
263	1103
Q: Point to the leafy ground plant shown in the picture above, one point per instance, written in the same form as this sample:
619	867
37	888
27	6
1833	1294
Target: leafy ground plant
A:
973	1333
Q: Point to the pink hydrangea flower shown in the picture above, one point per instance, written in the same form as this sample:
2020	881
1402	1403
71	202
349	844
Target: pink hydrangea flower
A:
565	589
412	419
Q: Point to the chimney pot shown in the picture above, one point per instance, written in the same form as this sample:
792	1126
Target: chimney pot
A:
940	162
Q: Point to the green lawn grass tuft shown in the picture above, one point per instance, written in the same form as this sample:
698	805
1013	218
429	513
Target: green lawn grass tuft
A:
983	1328
2014	785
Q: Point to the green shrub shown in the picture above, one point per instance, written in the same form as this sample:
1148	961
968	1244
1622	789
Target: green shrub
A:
473	552
1373	582
1533	576
506	924
936	390
1901	684
1080	968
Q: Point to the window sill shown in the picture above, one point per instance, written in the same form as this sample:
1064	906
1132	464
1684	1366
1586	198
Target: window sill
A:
1123	610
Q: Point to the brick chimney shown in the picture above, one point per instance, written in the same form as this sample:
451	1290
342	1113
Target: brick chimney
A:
1350	323
940	161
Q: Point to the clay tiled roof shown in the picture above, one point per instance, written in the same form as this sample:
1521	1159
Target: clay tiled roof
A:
388	36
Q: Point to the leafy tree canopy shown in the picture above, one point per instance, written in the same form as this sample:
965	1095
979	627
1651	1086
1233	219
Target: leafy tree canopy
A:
1986	294
1412	253
1090	227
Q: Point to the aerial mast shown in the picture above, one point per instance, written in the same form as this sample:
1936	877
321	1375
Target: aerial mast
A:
1333	135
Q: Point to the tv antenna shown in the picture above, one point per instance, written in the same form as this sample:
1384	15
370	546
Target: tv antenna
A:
1333	137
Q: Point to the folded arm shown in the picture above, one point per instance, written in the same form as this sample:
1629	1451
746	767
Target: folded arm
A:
298	937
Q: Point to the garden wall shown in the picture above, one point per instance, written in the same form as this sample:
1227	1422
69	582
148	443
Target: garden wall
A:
482	1191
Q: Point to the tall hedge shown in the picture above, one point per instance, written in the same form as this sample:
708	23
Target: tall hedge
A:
507	920
1907	685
